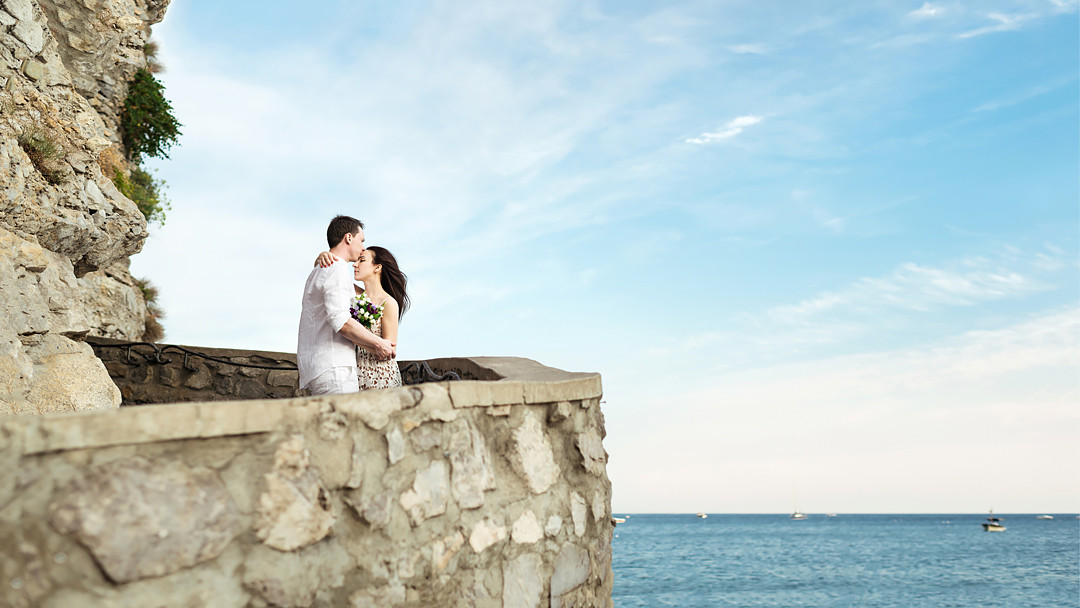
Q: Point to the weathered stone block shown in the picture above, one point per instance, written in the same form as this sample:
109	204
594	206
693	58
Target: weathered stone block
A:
169	376
557	412
200	379
578	513
429	494
470	464
571	570
374	408
295	510
376	509
395	445
565	390
293	580
140	520
473	393
553	526
526	529
279	377
522	585
442	551
532	457
485	533
593	456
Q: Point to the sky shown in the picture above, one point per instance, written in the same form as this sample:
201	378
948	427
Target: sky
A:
824	254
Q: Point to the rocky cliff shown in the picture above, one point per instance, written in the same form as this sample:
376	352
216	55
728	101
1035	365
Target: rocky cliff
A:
66	232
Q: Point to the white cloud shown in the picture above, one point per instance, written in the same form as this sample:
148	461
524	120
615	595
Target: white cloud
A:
1030	93
917	287
927	11
731	129
873	432
1005	23
749	49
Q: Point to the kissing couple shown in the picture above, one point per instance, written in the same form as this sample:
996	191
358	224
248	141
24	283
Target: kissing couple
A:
347	340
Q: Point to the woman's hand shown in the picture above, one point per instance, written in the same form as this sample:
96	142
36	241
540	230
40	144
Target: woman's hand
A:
325	259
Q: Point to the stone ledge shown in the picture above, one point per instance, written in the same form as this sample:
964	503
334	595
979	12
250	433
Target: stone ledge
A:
524	382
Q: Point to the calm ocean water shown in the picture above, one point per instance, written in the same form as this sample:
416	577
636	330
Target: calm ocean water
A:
898	561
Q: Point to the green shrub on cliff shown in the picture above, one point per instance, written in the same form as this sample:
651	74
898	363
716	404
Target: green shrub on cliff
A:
147	123
146	192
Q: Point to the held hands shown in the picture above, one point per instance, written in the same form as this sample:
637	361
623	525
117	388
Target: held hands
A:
383	349
325	259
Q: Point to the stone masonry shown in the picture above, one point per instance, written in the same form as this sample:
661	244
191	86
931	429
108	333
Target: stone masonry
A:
465	493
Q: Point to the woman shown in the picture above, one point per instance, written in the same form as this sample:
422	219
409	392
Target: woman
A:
384	284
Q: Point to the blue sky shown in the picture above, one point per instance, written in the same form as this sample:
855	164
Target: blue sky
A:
824	247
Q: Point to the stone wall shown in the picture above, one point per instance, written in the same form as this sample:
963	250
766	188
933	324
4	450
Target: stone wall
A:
65	238
168	373
165	375
467	493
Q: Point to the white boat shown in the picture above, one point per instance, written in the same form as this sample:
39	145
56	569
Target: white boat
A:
618	520
702	515
993	524
830	515
1044	517
798	515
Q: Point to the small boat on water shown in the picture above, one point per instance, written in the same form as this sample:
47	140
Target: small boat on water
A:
618	520
993	524
798	515
830	515
1044	517
702	515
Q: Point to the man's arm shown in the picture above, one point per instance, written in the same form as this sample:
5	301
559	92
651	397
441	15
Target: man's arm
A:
337	294
365	339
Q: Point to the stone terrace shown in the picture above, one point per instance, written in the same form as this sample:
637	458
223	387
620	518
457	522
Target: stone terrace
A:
466	493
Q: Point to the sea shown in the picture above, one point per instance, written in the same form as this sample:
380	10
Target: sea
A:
895	561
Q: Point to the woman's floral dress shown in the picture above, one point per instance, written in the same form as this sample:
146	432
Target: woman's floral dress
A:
373	373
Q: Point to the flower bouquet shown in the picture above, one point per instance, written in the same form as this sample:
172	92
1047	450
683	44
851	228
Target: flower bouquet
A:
364	311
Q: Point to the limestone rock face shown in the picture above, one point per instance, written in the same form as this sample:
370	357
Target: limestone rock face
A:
42	369
66	233
141	520
68	377
112	304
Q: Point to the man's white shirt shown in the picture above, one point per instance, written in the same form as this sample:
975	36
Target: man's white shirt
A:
320	348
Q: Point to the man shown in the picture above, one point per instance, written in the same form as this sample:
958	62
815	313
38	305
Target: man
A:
325	352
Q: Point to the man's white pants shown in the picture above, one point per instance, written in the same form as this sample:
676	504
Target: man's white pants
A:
335	381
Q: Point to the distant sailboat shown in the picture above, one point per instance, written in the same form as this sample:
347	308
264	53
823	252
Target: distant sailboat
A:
795	513
1044	517
702	515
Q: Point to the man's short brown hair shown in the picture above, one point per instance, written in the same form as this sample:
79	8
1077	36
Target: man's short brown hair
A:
339	227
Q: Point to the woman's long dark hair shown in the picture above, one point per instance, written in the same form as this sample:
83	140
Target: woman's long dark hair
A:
392	280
